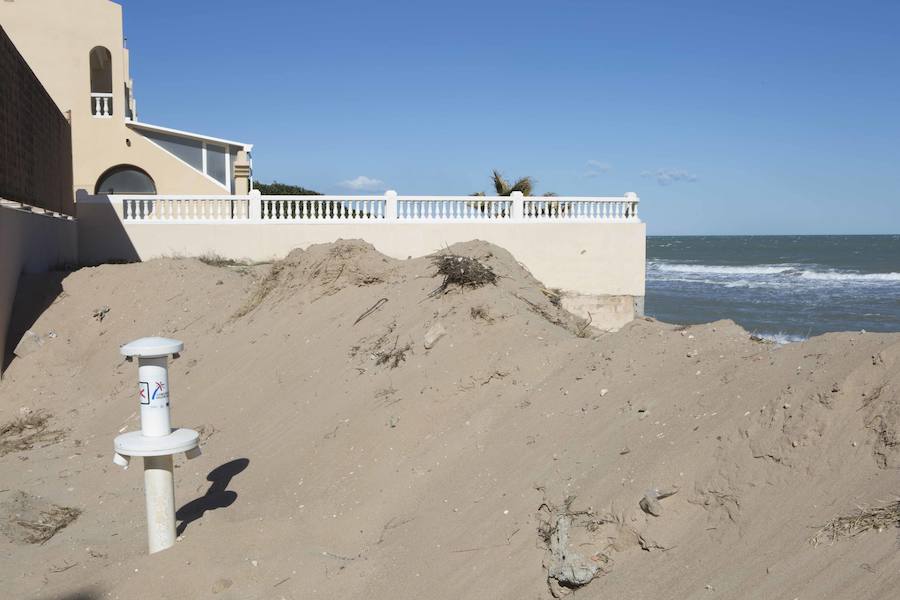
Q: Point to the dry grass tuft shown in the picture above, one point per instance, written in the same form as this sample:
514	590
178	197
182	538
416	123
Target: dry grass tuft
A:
26	431
263	288
214	260
461	271
394	356
863	520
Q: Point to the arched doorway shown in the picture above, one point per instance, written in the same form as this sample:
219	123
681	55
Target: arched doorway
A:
101	82
125	179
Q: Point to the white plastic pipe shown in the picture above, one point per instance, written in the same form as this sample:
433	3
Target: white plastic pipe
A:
159	489
156	442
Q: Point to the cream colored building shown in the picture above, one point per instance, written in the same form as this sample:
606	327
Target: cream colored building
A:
76	48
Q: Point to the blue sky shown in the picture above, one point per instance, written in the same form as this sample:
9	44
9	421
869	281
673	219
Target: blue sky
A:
725	117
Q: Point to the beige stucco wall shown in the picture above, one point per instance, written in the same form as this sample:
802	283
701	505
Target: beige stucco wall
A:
30	242
587	258
55	37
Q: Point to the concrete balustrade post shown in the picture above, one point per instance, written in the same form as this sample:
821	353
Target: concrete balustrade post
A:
517	210
390	205
633	200
255	205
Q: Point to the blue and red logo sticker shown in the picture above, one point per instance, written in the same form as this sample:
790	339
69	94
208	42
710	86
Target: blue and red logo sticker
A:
153	396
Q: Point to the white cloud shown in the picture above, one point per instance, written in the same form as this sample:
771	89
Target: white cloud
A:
667	176
364	184
597	167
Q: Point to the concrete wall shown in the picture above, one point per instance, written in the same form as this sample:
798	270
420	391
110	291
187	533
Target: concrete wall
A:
56	37
30	242
600	265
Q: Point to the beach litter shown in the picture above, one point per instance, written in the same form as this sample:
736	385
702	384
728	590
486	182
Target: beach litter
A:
29	344
436	332
650	502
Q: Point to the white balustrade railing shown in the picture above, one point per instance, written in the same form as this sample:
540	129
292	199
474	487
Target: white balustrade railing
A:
453	208
101	105
321	208
580	209
256	208
185	208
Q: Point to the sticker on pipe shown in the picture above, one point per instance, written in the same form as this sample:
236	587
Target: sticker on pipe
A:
153	393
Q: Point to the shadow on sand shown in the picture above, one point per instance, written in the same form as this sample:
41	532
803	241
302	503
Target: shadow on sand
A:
91	593
34	294
217	496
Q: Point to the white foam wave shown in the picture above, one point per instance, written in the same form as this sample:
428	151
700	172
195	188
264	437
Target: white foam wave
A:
844	276
721	269
781	337
760	275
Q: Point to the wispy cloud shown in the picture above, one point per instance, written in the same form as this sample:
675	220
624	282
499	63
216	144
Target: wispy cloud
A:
364	184
669	176
597	167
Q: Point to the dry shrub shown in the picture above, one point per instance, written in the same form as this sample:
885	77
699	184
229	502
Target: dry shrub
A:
863	520
26	431
461	271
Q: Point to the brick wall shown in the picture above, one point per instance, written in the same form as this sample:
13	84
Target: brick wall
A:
35	138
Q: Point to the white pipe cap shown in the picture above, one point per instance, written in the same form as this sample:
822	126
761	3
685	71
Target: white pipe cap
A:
152	347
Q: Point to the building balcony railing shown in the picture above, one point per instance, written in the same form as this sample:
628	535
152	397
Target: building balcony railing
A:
101	105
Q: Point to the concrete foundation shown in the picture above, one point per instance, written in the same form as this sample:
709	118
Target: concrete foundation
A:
605	312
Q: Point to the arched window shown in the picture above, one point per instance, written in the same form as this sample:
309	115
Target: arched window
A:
101	82
125	179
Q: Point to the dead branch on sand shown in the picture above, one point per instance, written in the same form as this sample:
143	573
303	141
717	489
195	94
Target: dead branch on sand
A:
462	271
863	520
48	523
26	431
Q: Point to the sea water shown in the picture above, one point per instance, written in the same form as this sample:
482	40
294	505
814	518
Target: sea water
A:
785	288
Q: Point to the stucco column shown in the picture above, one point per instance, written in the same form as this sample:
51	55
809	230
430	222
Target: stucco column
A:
241	174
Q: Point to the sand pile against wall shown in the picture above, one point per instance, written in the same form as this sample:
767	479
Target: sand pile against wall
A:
659	461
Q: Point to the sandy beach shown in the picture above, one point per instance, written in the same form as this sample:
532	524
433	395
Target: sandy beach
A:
344	459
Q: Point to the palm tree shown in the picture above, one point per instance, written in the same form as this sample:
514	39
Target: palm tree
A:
524	185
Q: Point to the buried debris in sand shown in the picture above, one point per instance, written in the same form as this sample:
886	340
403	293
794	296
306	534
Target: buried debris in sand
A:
567	569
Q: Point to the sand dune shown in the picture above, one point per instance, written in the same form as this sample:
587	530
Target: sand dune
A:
343	459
